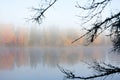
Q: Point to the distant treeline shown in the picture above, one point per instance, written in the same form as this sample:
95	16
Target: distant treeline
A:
36	36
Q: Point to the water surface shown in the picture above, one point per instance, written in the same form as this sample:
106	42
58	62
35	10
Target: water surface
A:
40	63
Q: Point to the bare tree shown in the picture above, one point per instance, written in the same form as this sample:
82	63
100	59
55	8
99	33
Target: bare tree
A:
103	70
44	6
94	12
111	23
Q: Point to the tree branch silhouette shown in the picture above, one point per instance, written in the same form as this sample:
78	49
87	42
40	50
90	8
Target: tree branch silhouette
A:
104	25
111	23
103	69
95	10
39	15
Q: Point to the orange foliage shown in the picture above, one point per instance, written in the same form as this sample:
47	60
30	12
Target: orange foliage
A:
7	35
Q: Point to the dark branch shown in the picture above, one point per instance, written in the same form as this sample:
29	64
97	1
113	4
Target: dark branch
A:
92	14
103	69
111	23
97	26
38	17
94	4
93	9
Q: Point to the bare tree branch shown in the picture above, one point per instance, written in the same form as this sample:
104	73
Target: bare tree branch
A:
103	69
39	15
94	30
94	9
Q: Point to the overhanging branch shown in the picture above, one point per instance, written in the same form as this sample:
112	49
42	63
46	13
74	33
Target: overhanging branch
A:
38	17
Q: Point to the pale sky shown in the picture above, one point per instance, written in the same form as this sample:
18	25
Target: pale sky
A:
63	13
15	11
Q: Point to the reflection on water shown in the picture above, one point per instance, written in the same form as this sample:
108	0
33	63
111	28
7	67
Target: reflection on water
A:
21	63
19	56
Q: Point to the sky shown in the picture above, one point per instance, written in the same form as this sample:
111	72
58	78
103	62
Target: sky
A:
63	13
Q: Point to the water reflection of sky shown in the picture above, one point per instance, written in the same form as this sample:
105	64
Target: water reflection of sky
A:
34	63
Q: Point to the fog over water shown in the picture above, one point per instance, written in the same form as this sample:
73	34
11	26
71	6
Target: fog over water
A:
46	36
33	53
37	63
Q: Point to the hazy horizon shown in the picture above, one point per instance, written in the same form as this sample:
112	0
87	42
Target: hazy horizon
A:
45	36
